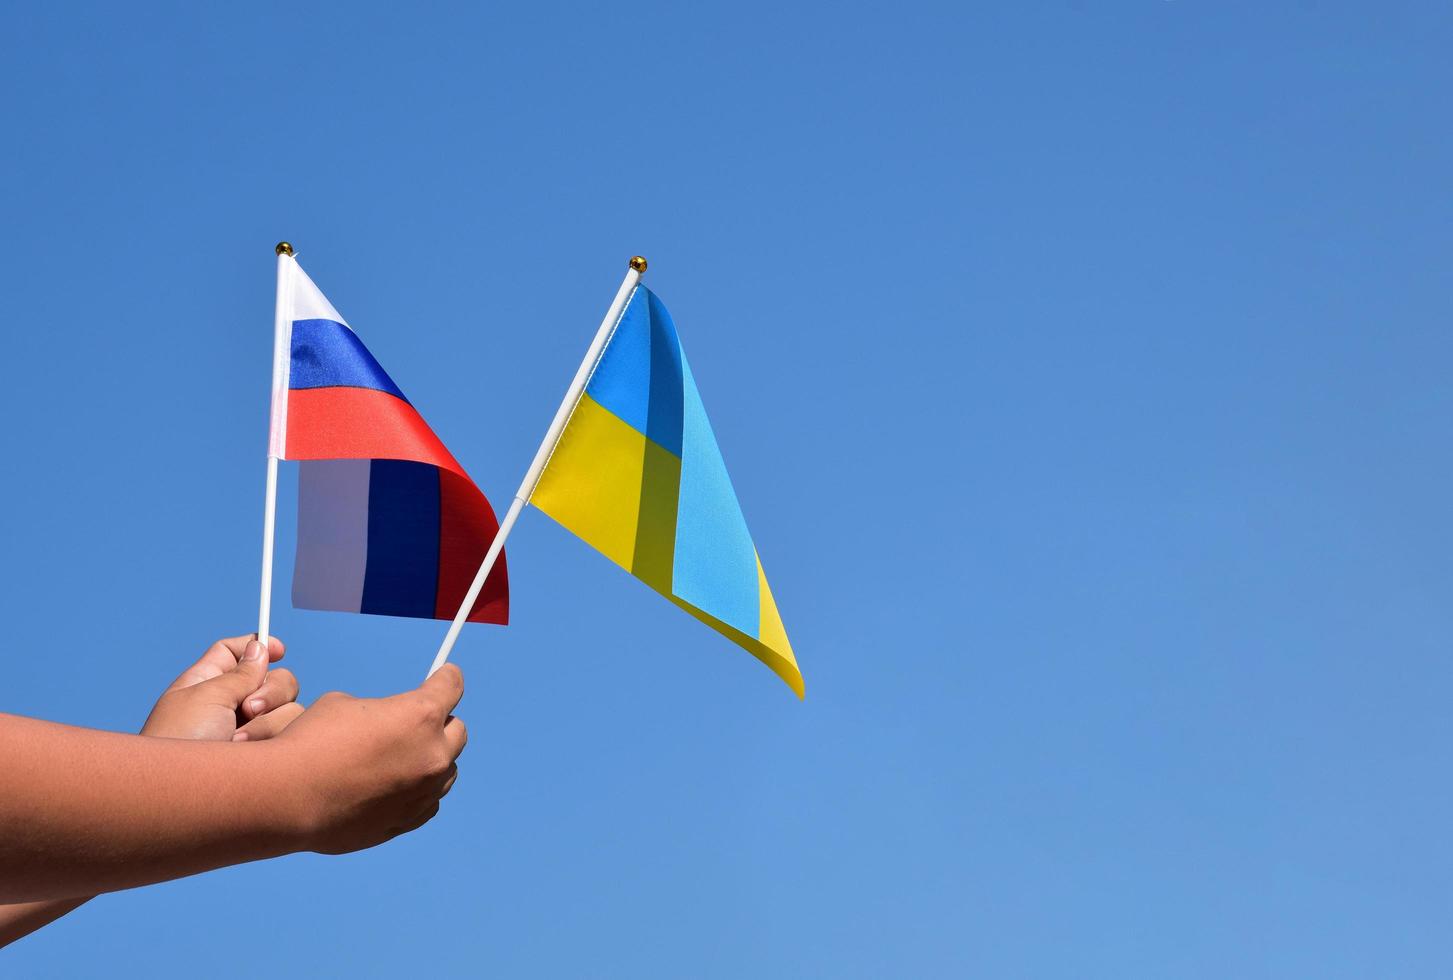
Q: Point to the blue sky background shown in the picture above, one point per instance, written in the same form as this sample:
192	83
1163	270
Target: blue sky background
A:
1082	369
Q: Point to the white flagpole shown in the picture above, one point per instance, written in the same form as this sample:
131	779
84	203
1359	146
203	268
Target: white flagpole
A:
276	435
542	455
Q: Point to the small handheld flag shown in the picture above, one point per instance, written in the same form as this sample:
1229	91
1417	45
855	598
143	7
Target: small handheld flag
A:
631	466
389	523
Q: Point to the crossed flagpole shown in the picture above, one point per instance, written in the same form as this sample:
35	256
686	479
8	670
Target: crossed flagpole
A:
282	314
629	464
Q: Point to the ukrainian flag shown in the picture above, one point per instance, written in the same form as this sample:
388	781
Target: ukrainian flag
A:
638	476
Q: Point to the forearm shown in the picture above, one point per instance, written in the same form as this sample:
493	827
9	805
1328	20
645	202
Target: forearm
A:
84	812
25	918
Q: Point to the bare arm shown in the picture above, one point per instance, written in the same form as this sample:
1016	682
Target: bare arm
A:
224	696
83	811
23	919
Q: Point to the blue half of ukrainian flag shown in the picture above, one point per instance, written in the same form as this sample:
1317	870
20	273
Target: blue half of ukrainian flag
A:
638	476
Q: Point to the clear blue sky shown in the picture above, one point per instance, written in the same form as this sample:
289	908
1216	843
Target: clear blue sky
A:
1082	369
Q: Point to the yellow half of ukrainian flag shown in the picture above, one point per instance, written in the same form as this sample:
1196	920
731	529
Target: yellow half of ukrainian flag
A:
638	476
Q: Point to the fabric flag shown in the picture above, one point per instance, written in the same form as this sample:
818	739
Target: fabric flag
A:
388	521
638	476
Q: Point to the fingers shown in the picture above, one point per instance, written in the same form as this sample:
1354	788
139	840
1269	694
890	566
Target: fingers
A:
237	646
456	736
222	657
444	688
245	677
279	688
269	725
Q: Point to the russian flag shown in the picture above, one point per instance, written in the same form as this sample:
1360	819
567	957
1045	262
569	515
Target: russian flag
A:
388	521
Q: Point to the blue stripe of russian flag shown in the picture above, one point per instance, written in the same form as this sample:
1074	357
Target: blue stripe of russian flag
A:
401	577
368	537
326	354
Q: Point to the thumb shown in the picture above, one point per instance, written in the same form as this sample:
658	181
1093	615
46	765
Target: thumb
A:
242	680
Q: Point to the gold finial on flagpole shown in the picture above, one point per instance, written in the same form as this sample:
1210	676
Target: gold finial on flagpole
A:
638	262
285	248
